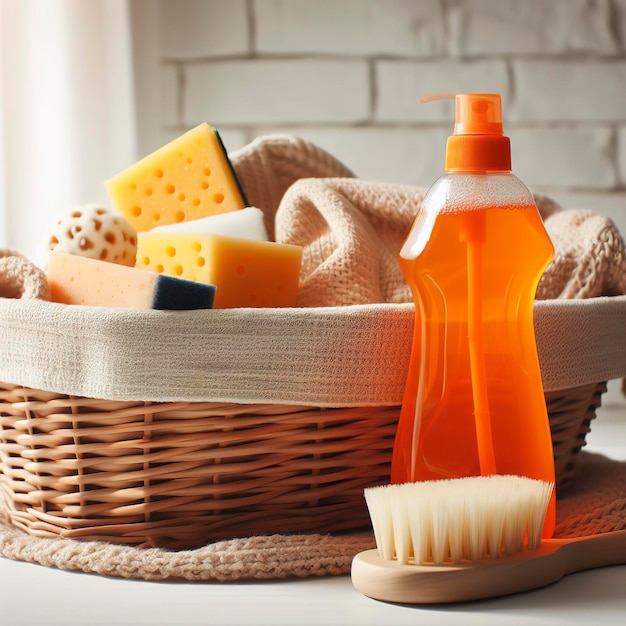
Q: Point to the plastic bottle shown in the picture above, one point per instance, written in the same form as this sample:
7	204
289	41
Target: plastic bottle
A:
474	401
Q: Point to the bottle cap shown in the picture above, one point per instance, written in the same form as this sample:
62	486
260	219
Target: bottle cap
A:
478	143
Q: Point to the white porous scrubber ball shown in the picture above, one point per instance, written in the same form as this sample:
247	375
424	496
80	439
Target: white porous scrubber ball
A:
95	232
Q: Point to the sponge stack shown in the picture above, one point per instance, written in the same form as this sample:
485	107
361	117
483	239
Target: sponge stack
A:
190	213
193	226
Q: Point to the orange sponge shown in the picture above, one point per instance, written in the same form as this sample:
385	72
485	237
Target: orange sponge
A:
78	280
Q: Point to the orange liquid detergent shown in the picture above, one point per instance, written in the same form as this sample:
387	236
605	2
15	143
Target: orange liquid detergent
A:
474	358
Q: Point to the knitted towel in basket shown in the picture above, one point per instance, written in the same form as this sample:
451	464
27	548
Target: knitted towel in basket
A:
352	229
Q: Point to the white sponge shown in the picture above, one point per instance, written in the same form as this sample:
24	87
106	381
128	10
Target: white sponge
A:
244	224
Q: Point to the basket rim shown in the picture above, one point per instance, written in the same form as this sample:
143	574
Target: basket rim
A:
361	361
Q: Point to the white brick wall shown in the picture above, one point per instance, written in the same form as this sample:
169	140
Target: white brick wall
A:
191	29
349	27
530	27
243	92
346	73
565	157
383	151
577	90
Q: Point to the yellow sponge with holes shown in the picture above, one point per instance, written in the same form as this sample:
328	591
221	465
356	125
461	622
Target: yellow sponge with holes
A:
187	179
246	273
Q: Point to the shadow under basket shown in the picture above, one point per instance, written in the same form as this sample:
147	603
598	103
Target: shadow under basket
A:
182	474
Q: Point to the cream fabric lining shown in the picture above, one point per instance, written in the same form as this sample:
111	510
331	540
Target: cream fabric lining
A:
330	356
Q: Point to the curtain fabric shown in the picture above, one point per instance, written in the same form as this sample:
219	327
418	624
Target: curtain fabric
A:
68	114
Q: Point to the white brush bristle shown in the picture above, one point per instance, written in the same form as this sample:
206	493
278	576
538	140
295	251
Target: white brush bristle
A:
459	519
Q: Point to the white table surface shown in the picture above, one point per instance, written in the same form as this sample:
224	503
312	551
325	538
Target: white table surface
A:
32	594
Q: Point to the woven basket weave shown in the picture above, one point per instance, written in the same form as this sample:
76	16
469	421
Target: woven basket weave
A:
179	474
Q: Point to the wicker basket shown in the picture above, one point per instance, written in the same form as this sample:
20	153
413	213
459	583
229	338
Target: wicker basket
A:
179	474
147	466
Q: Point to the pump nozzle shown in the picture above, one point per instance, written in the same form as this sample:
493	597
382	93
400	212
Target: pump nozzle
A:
478	143
478	114
436	96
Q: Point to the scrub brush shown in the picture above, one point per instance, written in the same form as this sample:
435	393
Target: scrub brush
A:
468	539
459	519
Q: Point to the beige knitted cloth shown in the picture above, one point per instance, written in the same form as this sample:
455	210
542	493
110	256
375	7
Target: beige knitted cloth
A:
351	231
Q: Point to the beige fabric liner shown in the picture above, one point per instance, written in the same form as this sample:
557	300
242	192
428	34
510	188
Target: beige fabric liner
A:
329	356
595	504
346	345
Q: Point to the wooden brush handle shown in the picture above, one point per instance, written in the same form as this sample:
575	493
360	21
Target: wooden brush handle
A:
391	581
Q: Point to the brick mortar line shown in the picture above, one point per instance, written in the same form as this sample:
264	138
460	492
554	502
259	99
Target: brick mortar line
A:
446	9
181	83
409	124
373	89
615	30
564	58
614	156
251	19
511	79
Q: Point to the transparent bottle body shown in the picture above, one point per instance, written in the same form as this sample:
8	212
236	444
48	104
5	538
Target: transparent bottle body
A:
473	260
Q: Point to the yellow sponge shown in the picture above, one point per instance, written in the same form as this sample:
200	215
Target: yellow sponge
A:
187	179
246	273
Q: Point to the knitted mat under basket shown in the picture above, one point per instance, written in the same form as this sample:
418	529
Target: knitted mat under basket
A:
596	504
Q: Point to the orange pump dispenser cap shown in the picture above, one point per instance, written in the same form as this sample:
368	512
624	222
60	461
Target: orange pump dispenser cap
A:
478	144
